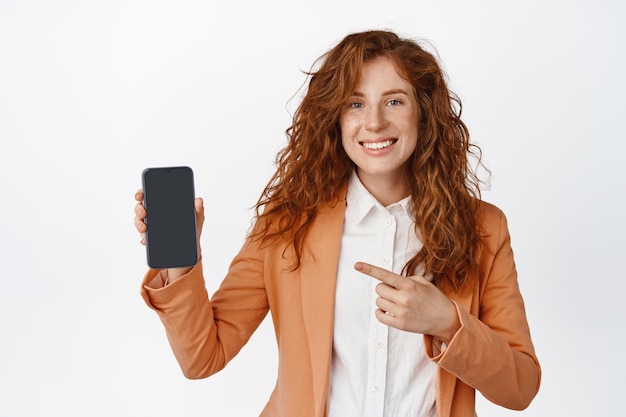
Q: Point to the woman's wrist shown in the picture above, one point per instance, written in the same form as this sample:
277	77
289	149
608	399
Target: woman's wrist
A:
452	328
172	274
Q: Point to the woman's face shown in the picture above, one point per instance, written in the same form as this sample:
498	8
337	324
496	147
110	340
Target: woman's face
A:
379	123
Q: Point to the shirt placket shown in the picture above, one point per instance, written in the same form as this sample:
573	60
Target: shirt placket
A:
379	333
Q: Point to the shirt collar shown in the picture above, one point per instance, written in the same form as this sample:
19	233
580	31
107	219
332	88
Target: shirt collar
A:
360	202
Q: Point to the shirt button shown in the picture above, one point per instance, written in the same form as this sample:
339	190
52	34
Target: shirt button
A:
376	388
378	344
387	222
385	261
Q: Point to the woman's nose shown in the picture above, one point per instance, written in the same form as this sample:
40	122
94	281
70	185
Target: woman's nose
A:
375	118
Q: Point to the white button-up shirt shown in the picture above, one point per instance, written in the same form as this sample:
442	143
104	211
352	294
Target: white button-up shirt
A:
377	370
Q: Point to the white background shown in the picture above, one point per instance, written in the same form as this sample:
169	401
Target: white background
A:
93	92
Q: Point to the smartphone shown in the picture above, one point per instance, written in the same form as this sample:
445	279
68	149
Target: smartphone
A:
168	196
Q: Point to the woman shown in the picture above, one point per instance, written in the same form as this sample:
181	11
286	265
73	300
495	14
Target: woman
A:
392	287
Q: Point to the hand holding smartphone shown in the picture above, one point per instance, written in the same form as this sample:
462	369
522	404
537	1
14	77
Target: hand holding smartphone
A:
171	236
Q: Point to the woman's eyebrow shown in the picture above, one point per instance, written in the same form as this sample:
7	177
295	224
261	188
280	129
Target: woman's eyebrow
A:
385	93
395	91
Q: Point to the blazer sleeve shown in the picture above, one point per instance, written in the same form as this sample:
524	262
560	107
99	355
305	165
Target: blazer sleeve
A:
206	334
493	351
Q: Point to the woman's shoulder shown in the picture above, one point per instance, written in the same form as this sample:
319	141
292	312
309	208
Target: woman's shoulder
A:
491	219
489	210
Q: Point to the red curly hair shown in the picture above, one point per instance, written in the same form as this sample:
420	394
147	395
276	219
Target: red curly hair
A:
313	167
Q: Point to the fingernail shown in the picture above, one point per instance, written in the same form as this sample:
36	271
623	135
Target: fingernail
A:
358	266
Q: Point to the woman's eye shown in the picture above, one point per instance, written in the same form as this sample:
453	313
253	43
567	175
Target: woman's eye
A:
394	102
356	105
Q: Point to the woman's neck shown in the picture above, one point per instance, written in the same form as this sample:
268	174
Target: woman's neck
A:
386	189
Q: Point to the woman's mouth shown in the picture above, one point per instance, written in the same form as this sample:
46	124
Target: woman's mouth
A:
375	146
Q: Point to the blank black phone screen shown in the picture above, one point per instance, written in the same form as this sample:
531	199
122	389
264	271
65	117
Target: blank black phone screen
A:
171	239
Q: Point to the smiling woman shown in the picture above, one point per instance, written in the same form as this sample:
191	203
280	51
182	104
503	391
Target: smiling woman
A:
392	286
379	129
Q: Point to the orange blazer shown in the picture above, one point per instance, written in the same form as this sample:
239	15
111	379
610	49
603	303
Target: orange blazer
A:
492	352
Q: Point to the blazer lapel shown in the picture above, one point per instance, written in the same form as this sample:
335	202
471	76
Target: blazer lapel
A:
318	272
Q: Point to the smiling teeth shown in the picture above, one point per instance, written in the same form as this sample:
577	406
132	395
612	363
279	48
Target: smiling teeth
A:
378	145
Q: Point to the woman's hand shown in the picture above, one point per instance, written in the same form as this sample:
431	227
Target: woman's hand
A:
412	304
140	225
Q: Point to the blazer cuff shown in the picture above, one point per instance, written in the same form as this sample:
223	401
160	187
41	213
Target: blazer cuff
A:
434	348
158	296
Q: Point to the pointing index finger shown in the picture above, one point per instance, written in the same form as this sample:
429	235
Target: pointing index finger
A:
380	274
